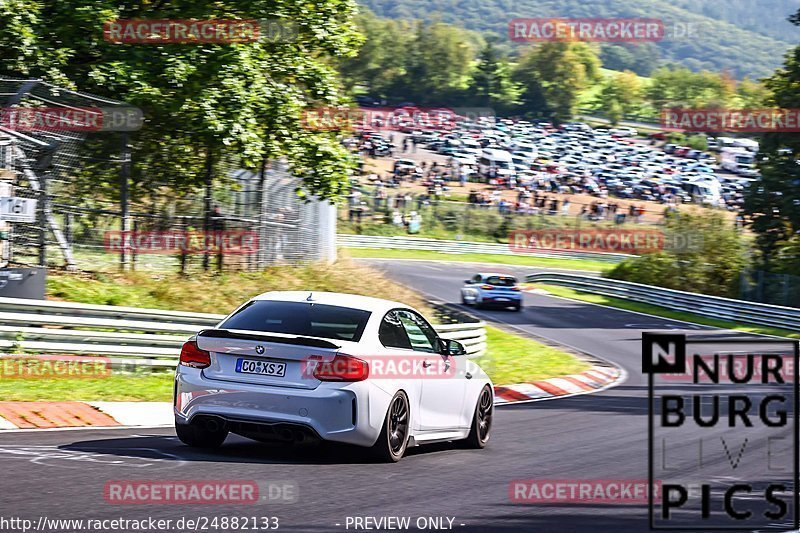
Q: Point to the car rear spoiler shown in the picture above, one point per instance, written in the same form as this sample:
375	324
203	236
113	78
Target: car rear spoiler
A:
264	337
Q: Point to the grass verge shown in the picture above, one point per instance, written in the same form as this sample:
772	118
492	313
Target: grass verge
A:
139	387
664	312
522	260
513	359
211	292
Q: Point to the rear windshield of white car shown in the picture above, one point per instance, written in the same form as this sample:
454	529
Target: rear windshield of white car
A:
501	281
300	318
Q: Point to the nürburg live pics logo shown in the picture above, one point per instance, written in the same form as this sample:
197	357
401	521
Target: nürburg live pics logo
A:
722	431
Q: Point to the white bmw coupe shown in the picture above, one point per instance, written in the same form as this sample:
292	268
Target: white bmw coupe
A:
304	366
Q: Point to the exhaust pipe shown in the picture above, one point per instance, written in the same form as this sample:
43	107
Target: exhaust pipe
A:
299	436
286	434
212	423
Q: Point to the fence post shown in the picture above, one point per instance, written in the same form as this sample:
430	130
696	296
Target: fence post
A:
133	251
261	258
124	172
183	248
209	181
68	227
43	220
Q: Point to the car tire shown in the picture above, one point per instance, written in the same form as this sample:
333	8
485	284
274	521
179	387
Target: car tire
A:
518	307
197	436
390	446
481	428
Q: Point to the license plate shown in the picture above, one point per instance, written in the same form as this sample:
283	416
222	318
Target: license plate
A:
264	368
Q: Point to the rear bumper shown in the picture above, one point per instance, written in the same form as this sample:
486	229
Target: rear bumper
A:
272	431
350	413
505	298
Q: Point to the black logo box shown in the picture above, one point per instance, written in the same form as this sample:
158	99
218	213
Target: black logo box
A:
674	347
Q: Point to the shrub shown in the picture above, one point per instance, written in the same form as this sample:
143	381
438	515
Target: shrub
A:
703	254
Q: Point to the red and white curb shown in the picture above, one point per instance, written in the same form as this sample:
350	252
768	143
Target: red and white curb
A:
61	415
599	377
73	414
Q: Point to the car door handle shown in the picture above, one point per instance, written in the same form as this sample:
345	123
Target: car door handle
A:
468	375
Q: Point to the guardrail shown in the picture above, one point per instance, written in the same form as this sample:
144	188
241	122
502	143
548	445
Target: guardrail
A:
132	336
462	247
709	306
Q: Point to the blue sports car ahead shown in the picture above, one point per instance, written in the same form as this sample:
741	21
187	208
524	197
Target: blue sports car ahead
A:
498	290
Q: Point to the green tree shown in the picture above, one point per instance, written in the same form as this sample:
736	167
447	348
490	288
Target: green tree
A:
680	87
553	74
640	58
752	94
703	253
614	112
438	64
491	83
622	92
772	203
698	142
616	57
381	62
204	104
783	86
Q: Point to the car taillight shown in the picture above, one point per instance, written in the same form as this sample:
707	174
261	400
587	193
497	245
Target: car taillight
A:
514	288
193	356
487	287
342	368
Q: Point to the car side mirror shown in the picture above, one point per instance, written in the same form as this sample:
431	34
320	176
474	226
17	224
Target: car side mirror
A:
451	347
468	281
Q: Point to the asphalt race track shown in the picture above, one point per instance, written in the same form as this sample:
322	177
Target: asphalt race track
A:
62	474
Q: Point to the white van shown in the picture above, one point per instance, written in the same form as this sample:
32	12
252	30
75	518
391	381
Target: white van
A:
724	142
704	190
738	160
748	144
501	160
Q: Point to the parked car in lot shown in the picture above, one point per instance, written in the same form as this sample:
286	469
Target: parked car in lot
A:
300	366
578	159
489	289
404	165
500	160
